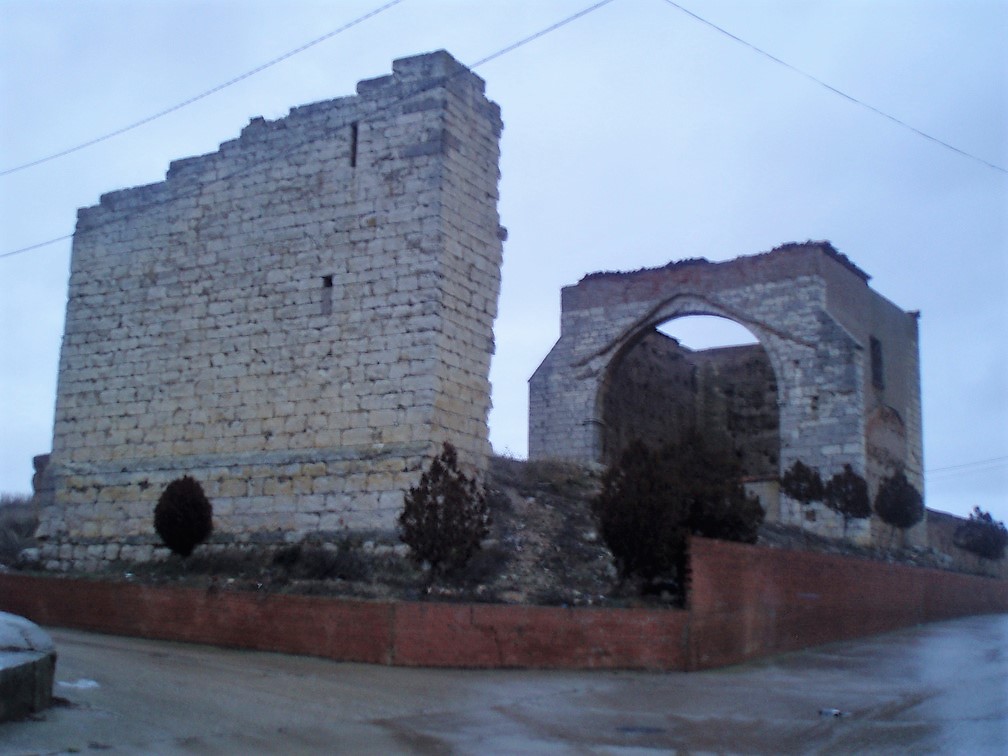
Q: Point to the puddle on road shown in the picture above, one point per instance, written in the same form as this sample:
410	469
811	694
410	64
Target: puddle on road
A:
640	730
81	684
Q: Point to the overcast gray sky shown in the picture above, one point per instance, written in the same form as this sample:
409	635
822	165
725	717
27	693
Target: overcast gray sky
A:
633	136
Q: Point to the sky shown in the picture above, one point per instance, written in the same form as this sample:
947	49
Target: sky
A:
634	135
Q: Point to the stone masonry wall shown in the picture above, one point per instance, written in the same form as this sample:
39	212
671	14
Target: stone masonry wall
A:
813	313
738	402
659	390
649	395
297	320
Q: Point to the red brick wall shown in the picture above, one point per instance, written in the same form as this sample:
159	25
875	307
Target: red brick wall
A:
346	630
749	601
746	602
409	634
487	635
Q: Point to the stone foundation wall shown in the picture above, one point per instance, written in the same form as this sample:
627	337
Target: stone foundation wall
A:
297	320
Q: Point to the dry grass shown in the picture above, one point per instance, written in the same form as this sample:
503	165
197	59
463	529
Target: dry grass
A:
544	476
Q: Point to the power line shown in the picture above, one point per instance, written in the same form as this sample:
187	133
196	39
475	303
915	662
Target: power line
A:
836	91
207	93
970	464
36	246
540	33
968	467
412	93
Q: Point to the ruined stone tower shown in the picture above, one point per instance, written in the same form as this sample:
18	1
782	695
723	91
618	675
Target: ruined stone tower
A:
835	379
297	320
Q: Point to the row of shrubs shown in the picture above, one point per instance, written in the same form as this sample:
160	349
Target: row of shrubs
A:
444	519
897	502
649	505
650	502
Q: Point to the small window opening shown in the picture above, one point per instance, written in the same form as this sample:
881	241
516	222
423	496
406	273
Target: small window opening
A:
353	144
327	295
877	369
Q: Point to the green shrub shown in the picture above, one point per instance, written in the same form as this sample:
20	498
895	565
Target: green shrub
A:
445	516
711	479
981	535
803	484
847	493
183	517
733	516
643	516
898	503
652	501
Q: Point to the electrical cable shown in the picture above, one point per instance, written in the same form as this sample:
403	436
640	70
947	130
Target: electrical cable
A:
836	91
36	246
207	93
970	464
406	95
967	468
541	33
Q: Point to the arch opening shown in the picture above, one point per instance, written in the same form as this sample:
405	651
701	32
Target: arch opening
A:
698	373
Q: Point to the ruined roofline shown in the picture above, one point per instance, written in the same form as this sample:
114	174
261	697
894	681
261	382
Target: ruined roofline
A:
823	246
432	69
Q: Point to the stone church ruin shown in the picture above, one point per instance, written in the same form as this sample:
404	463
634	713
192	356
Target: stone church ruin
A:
834	379
297	320
300	319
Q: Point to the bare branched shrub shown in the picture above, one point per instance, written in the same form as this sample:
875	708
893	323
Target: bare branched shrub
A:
445	516
183	517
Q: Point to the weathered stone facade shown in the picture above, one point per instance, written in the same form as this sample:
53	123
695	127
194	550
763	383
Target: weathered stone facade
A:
658	391
844	360
297	320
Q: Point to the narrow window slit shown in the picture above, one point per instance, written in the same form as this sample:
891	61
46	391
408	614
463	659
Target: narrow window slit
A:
877	369
327	295
353	145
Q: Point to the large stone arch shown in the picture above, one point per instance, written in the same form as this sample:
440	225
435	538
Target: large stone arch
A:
682	377
811	310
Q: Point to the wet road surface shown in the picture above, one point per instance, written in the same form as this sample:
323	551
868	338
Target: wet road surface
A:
940	688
